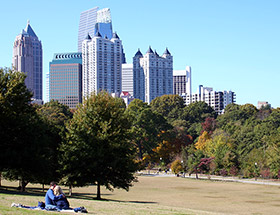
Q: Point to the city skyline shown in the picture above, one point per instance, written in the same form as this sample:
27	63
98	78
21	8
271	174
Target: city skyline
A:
230	45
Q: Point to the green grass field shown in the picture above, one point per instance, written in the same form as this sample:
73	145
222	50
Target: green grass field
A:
158	195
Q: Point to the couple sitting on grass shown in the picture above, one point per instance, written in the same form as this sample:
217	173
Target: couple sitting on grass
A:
55	199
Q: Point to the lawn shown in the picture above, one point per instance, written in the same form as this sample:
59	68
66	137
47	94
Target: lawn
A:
158	195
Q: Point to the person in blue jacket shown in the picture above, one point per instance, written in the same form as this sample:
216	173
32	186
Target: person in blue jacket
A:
63	203
50	198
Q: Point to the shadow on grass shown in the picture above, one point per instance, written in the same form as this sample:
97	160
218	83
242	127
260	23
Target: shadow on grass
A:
15	191
139	202
31	191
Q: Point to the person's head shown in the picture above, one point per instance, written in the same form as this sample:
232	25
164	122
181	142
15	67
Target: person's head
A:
57	190
52	185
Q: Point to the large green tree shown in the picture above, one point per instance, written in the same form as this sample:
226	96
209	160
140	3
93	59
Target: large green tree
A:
97	148
54	115
21	130
147	127
169	106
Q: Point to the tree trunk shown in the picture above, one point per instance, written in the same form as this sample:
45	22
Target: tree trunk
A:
43	187
196	175
0	178
98	196
140	150
70	190
22	185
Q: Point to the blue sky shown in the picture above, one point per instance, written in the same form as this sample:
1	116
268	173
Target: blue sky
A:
230	44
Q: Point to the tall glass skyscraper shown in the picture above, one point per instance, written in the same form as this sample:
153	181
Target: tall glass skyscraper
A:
27	58
65	78
87	25
104	23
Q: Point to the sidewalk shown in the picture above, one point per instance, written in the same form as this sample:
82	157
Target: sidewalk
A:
214	177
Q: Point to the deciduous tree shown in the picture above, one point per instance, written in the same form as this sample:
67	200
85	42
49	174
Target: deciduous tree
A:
97	148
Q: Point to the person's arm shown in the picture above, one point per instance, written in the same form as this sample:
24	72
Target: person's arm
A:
54	197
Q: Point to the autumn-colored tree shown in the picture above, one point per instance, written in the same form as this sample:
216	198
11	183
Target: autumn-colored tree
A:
209	125
202	141
176	166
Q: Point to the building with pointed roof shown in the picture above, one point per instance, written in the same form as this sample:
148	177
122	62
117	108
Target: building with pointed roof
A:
27	58
93	21
152	75
102	65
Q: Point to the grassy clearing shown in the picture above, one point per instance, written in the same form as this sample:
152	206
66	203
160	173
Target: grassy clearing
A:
159	195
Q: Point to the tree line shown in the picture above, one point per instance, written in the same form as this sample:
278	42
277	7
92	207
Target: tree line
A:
103	142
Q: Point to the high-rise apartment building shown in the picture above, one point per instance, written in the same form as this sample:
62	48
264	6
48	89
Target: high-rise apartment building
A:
127	78
152	75
182	81
218	100
65	78
102	64
27	58
87	25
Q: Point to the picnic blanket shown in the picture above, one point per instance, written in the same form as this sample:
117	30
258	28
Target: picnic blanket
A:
42	207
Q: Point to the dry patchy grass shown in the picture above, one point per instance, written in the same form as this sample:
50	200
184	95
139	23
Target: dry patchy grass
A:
160	195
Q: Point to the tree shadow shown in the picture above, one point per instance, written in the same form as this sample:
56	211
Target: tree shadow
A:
15	191
139	202
38	192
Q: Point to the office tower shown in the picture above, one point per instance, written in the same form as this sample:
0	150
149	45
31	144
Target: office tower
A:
104	23
47	88
87	25
66	78
104	27
182	81
152	75
127	78
215	99
27	58
102	64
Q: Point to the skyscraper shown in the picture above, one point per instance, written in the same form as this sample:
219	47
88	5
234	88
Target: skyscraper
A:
93	21
87	25
65	78
27	58
152	75
102	64
104	23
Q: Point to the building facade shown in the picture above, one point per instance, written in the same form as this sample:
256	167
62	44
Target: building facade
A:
152	75
65	79
127	78
102	64
182	81
27	58
47	99
104	23
218	100
86	25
